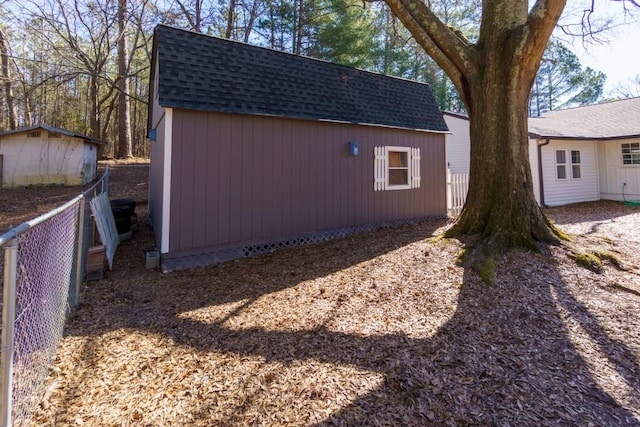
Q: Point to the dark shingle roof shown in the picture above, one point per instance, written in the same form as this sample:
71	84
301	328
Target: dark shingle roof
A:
200	72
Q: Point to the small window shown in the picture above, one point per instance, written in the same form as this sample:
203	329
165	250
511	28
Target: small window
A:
396	168
575	164
33	134
631	153
561	164
55	135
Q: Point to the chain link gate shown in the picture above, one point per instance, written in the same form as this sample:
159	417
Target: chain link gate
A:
42	262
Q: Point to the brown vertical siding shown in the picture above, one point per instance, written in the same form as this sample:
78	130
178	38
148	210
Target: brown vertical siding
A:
222	159
247	179
214	158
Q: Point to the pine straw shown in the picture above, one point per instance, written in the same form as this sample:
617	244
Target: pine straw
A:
375	329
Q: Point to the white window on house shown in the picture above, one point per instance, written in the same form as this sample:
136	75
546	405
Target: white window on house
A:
396	168
561	164
631	153
33	134
575	164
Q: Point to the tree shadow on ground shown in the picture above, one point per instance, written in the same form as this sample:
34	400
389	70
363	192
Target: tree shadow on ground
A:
508	360
507	356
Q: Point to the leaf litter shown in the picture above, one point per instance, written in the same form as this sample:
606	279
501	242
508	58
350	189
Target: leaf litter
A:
379	328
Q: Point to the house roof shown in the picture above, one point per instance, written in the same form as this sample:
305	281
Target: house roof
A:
609	120
201	72
53	130
457	115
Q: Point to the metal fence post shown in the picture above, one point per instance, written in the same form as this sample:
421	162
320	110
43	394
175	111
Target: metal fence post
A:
79	257
8	325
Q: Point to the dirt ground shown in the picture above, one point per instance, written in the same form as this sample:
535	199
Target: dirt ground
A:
18	205
380	328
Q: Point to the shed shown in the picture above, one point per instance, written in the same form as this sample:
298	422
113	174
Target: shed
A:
254	149
42	154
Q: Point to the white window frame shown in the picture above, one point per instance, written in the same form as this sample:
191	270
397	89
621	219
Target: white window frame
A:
632	147
564	165
406	186
382	168
574	164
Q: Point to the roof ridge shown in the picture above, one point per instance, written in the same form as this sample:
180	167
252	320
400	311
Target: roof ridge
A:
50	128
203	72
603	103
291	54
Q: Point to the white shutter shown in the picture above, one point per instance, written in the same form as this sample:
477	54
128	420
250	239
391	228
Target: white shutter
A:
379	168
415	168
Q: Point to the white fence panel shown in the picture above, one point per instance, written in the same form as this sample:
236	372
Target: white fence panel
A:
457	188
106	225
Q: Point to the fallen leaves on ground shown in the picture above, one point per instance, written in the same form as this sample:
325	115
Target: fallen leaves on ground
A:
379	328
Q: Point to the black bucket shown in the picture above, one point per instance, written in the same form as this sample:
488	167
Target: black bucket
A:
124	216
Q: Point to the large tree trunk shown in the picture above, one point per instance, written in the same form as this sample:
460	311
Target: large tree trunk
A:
501	207
494	78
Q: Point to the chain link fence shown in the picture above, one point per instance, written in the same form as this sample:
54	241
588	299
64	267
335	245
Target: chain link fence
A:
42	263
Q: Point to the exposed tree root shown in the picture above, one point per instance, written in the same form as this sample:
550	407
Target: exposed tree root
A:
594	259
483	255
484	250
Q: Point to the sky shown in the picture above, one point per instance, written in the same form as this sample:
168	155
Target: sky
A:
615	52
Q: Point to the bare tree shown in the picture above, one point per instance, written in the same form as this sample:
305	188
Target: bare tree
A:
82	34
231	12
192	12
124	107
252	11
6	77
629	89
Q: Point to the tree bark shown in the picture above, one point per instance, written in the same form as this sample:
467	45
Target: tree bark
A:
230	19
124	108
6	77
300	26
253	15
94	107
194	17
501	207
494	78
28	111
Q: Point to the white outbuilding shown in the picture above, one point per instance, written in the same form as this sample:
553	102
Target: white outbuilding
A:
39	155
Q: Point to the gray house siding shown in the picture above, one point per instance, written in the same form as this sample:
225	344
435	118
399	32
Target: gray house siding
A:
156	188
246	179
